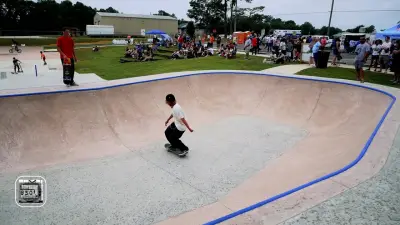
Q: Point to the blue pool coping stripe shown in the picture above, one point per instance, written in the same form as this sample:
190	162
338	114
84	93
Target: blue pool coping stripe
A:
286	193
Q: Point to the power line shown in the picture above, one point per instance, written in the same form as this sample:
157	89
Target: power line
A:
340	11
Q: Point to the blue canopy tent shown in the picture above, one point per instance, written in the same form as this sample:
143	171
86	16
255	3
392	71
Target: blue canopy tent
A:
155	32
393	33
166	37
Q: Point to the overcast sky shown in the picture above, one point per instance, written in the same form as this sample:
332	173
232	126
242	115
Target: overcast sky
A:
381	20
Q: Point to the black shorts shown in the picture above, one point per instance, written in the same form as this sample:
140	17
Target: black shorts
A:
375	57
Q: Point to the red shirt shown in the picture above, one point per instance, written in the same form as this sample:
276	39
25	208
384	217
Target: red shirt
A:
254	42
66	44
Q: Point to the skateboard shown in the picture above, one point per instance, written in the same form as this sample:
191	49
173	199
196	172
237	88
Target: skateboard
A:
67	71
173	150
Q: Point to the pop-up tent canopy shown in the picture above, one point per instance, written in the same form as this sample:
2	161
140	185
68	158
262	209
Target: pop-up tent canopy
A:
154	32
393	33
166	37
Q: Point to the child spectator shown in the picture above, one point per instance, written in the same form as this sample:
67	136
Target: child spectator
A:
43	57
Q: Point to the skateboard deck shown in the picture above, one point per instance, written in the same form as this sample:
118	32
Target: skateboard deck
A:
67	72
175	151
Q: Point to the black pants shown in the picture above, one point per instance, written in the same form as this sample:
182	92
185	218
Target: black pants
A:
173	134
16	66
72	68
276	50
254	50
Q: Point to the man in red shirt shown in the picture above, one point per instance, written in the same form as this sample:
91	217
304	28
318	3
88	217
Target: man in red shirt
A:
254	45
65	46
180	41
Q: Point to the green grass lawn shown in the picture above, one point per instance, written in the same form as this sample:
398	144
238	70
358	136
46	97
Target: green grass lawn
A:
105	63
350	74
51	41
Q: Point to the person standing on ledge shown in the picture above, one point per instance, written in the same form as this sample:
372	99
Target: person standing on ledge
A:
66	48
175	130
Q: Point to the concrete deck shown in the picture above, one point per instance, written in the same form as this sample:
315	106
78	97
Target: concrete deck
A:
35	74
375	201
256	137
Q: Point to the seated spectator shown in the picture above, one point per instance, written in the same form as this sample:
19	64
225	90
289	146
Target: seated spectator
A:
210	51
221	50
177	55
280	58
229	54
139	53
190	54
95	49
128	53
196	51
148	56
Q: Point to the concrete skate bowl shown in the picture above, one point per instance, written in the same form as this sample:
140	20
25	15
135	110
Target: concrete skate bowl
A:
256	137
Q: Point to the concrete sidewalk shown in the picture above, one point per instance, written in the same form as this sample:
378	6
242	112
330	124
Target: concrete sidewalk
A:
295	68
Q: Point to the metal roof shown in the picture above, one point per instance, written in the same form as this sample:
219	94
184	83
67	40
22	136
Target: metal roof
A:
136	16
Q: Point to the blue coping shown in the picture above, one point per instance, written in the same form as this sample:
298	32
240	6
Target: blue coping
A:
283	194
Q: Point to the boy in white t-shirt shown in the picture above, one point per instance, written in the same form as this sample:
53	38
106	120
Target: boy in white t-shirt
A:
175	130
385	54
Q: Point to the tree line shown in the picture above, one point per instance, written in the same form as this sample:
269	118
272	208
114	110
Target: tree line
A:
23	17
222	15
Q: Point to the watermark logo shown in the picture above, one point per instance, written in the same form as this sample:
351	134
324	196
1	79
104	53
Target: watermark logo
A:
30	191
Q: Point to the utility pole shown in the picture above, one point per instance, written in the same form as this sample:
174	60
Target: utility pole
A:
330	17
234	24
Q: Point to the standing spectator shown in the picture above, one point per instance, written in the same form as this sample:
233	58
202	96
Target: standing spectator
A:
290	49
218	41
254	45
155	40
396	62
258	43
180	42
346	45
323	42
276	46
375	54
66	48
362	51
212	41
297	49
314	46
265	42
282	46
335	50
270	44
247	47
385	53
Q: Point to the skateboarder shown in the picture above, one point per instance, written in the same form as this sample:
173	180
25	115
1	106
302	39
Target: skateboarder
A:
175	130
65	46
16	63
